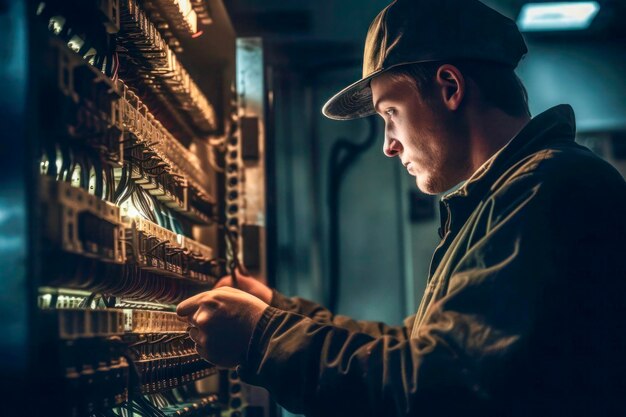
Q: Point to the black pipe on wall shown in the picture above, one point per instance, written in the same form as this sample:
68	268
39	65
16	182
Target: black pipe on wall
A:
343	155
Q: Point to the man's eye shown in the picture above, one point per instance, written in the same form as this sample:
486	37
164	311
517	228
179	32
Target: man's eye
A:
390	112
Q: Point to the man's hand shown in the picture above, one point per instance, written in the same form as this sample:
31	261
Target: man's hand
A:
249	285
223	321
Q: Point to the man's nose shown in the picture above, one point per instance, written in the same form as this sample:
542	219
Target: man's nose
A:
392	147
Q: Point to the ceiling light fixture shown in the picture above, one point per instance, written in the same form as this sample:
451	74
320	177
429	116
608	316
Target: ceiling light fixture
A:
557	16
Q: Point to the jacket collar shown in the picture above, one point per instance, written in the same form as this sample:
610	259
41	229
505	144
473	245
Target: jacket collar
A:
555	125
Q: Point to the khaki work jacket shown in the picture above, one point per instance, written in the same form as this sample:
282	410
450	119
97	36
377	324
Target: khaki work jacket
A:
524	313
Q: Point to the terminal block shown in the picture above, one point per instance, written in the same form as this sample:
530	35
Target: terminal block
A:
147	321
162	165
196	263
163	353
157	63
85	109
160	250
166	362
180	13
96	375
78	323
80	223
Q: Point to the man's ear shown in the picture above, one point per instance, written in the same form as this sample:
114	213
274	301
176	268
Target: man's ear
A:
452	85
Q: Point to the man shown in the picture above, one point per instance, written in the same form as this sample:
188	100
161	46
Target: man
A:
525	308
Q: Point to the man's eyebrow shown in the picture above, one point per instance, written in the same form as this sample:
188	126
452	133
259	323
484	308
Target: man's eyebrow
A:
378	102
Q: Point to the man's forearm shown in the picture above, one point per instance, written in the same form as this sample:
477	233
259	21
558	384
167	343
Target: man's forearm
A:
324	370
322	315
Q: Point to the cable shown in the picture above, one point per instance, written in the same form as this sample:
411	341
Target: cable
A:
124	188
159	216
126	194
144	202
65	163
110	180
85	172
234	264
147	404
343	155
158	245
166	220
117	67
98	189
161	339
86	302
174	223
139	200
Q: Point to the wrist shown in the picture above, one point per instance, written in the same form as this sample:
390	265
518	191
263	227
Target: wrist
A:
256	341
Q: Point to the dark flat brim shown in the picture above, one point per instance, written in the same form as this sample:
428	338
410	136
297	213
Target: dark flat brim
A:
353	102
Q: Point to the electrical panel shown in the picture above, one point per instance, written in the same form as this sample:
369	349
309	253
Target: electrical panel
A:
140	198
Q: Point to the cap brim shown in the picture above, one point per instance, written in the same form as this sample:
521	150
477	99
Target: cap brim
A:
353	102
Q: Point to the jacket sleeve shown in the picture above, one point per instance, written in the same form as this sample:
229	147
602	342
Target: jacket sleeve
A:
488	341
320	314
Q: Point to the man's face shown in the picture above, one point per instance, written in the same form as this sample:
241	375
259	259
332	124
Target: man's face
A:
429	139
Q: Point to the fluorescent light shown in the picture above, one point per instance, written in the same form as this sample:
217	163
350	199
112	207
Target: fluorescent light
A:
557	16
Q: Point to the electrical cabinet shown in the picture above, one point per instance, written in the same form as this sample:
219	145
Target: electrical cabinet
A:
129	181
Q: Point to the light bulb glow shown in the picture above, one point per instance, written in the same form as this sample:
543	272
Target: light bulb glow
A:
557	16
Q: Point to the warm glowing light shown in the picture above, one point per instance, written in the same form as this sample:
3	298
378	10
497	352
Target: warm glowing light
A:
129	210
56	24
59	163
75	180
45	301
557	16
181	9
75	43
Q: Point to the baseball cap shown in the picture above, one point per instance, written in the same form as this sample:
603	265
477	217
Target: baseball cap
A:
415	31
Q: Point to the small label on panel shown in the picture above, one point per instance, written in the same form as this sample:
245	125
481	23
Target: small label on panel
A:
250	138
251	236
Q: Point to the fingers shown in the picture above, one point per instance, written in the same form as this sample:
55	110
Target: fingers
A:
187	307
241	272
227	312
225	281
190	305
202	316
198	338
228	290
